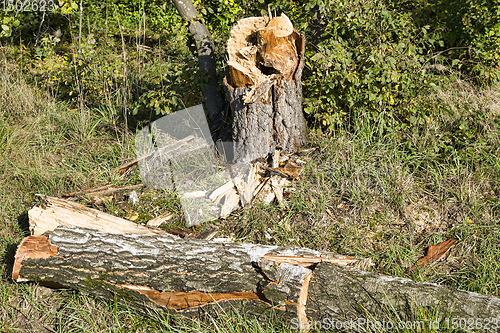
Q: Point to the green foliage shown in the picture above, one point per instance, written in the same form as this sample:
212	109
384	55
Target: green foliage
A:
368	62
470	32
220	15
27	21
8	23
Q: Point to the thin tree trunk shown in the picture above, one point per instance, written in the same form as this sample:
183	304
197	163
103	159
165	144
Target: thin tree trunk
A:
206	60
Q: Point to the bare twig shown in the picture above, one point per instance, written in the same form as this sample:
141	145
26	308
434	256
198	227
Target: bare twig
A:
102	190
39	28
164	150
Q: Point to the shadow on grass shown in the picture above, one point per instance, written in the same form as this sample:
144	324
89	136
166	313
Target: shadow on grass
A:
10	248
23	223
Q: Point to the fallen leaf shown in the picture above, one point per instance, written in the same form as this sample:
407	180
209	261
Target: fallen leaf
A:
291	170
434	253
132	215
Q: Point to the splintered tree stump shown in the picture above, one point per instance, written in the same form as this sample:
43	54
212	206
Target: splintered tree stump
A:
192	277
263	87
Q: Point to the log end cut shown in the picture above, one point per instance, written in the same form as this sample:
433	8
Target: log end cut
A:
32	247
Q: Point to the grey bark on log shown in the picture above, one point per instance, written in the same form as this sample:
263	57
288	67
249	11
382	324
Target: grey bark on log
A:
160	272
190	277
343	294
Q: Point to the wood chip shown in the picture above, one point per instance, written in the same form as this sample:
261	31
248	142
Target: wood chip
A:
218	193
277	184
231	203
157	221
281	25
291	169
309	261
266	194
306	151
246	184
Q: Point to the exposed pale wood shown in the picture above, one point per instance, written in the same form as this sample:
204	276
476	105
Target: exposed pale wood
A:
265	193
277	48
309	261
64	212
265	60
276	158
307	151
231	202
157	221
32	247
242	62
180	300
277	184
246	183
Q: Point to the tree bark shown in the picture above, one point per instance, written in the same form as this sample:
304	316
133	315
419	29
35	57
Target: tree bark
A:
263	84
190	277
206	59
347	294
160	272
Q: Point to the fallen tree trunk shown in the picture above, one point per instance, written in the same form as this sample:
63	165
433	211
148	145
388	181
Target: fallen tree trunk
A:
347	294
188	277
160	272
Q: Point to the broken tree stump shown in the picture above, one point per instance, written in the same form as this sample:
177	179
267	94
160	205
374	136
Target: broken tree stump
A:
189	277
263	87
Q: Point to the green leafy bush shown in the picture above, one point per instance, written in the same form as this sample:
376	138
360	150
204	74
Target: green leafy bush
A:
470	32
369	62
